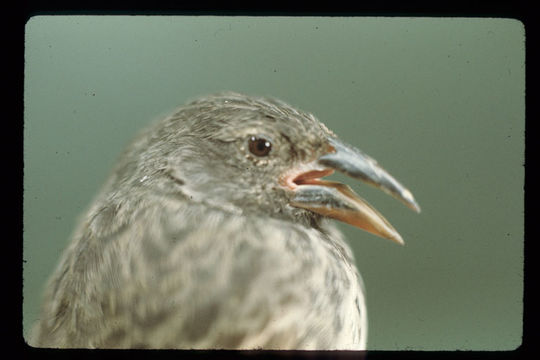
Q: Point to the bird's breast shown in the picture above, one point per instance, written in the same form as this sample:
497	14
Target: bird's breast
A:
278	277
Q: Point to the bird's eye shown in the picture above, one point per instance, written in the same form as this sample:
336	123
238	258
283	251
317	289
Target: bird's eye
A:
259	146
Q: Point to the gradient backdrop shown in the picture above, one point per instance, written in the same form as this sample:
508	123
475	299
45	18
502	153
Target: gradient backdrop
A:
438	102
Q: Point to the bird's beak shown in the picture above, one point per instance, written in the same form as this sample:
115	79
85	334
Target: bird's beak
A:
338	200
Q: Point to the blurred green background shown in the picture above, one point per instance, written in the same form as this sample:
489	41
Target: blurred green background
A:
439	102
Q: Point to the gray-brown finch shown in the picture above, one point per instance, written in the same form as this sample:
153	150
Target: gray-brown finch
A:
213	232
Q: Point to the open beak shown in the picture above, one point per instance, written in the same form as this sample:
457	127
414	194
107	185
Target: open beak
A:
339	201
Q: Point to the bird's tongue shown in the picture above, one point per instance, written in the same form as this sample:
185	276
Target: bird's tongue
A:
340	202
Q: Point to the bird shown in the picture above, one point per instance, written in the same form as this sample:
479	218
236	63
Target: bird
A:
216	230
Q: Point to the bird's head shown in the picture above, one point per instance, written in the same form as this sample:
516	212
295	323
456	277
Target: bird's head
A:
256	155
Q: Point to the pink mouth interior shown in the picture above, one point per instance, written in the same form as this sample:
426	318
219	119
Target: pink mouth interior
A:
312	177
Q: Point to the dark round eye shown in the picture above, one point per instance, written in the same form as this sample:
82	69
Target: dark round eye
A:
259	146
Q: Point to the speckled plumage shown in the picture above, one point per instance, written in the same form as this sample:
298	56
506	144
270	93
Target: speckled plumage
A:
192	244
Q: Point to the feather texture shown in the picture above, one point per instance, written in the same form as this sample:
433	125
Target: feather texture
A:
203	278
